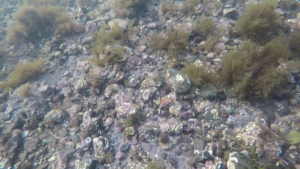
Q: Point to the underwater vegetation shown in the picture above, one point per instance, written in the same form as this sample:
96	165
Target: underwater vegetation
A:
24	90
22	73
204	26
169	8
129	8
31	23
200	75
159	164
173	41
188	6
105	50
259	22
254	71
294	41
39	2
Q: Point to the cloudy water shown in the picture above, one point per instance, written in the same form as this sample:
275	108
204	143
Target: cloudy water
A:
149	84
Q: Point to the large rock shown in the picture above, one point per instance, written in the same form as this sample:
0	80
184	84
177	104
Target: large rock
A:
177	81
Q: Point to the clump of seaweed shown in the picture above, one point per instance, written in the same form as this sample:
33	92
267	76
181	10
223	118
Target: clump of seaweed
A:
201	75
294	41
129	8
159	164
259	22
188	6
169	7
104	49
178	37
173	42
22	73
204	26
255	71
32	22
39	2
24	90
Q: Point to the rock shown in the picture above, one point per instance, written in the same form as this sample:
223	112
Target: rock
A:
178	151
146	146
121	22
175	109
131	82
125	147
57	54
231	93
194	160
230	13
74	110
66	91
109	158
31	144
208	92
112	74
199	144
177	81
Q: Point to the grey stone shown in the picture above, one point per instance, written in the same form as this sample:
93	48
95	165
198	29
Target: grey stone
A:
125	147
208	92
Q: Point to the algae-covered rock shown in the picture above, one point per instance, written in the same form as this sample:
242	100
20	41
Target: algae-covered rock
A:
293	137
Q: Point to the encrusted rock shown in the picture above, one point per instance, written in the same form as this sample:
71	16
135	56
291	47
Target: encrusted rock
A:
177	81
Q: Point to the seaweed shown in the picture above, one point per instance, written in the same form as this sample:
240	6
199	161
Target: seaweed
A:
159	164
129	8
104	45
22	73
188	7
32	22
255	71
200	75
169	8
62	24
24	90
259	22
178	37
39	2
210	43
204	26
294	41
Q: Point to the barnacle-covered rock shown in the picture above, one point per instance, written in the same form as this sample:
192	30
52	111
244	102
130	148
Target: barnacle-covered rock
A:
89	125
152	81
100	145
250	136
147	94
80	85
177	81
170	126
85	144
175	109
53	117
203	106
124	105
272	151
85	163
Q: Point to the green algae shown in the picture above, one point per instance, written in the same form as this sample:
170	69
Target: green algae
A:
293	137
259	22
200	75
31	23
253	70
22	73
